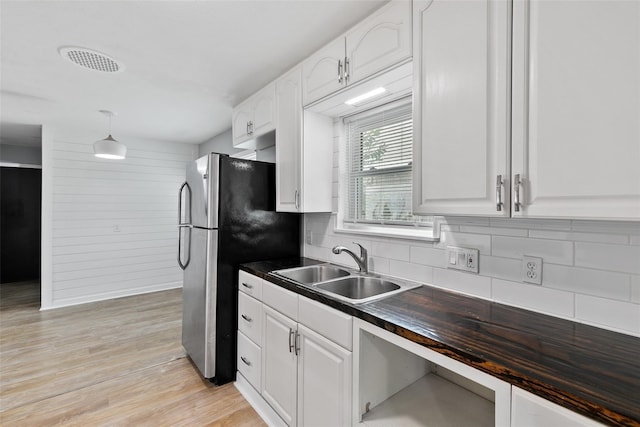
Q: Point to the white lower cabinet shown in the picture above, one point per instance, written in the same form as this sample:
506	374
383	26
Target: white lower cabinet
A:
305	369
324	381
529	410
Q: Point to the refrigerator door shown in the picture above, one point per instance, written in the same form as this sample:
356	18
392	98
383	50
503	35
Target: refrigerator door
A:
199	294
203	182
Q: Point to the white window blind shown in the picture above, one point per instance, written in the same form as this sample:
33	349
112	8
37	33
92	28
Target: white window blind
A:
379	158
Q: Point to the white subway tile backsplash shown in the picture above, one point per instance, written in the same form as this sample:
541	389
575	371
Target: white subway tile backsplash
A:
580	236
610	313
466	240
635	288
468	220
379	265
587	281
401	252
608	257
531	224
501	268
462	282
552	251
317	252
428	256
533	297
635	240
405	270
448	227
614	227
517	232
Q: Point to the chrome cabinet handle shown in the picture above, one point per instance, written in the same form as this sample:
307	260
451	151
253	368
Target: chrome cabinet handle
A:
291	343
499	193
248	133
297	342
346	70
516	192
339	71
244	359
247	318
246	285
296	199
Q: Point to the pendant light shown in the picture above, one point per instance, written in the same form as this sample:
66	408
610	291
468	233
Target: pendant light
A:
109	148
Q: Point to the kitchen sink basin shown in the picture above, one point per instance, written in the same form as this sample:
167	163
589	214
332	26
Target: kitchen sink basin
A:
358	287
311	274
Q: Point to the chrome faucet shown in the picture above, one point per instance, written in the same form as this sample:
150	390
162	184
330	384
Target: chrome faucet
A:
362	260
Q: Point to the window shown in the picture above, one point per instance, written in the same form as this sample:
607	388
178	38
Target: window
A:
377	176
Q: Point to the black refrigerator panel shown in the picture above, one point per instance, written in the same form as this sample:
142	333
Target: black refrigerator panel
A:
249	230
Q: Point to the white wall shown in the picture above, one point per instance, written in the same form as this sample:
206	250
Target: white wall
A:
221	143
20	154
591	269
110	226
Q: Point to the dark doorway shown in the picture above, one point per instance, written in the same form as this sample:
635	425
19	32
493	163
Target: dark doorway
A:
20	194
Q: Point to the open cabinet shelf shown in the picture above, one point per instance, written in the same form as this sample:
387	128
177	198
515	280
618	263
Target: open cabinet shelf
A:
401	383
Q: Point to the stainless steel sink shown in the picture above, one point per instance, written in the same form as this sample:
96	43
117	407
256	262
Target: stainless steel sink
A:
358	287
311	274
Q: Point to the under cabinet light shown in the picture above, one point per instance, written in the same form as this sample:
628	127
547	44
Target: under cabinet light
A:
365	96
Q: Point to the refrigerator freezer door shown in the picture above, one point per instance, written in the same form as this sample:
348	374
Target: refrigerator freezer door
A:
203	181
199	301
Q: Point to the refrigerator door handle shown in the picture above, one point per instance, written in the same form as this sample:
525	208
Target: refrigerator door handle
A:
186	263
182	187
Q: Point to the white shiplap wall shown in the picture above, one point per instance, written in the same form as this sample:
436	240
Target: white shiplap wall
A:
113	223
591	269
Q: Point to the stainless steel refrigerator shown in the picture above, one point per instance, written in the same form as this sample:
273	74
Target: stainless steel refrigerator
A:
226	217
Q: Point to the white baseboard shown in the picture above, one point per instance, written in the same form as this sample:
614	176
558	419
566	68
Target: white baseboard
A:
111	295
263	409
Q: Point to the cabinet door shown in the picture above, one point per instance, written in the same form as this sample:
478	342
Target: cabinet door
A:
529	410
321	72
461	106
576	104
288	141
240	122
279	369
380	41
264	111
324	381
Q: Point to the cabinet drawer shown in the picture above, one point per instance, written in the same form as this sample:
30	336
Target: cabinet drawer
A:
250	317
328	322
249	360
250	285
286	302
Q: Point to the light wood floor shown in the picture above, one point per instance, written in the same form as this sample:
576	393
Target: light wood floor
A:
111	363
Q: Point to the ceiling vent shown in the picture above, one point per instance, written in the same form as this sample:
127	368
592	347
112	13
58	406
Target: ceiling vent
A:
91	59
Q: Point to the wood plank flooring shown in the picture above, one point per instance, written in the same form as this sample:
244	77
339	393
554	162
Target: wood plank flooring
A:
110	363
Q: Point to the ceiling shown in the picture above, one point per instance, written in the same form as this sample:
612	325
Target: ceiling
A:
187	63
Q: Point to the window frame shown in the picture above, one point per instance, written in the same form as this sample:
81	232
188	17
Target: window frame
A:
424	231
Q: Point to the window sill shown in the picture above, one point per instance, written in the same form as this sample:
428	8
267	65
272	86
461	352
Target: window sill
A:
424	234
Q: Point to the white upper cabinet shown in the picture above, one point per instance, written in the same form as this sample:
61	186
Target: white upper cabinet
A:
254	117
461	99
573	150
375	44
576	109
379	42
304	151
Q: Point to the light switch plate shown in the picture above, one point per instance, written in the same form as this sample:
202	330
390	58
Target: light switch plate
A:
464	259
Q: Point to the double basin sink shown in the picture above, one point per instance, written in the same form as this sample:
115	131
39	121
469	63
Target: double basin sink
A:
343	284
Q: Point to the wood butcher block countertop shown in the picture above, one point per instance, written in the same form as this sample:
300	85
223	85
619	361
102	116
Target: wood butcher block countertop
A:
589	370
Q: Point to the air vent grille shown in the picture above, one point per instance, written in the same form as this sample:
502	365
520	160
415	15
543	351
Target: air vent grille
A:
91	59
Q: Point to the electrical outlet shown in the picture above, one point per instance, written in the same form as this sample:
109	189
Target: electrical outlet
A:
532	270
464	259
309	237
